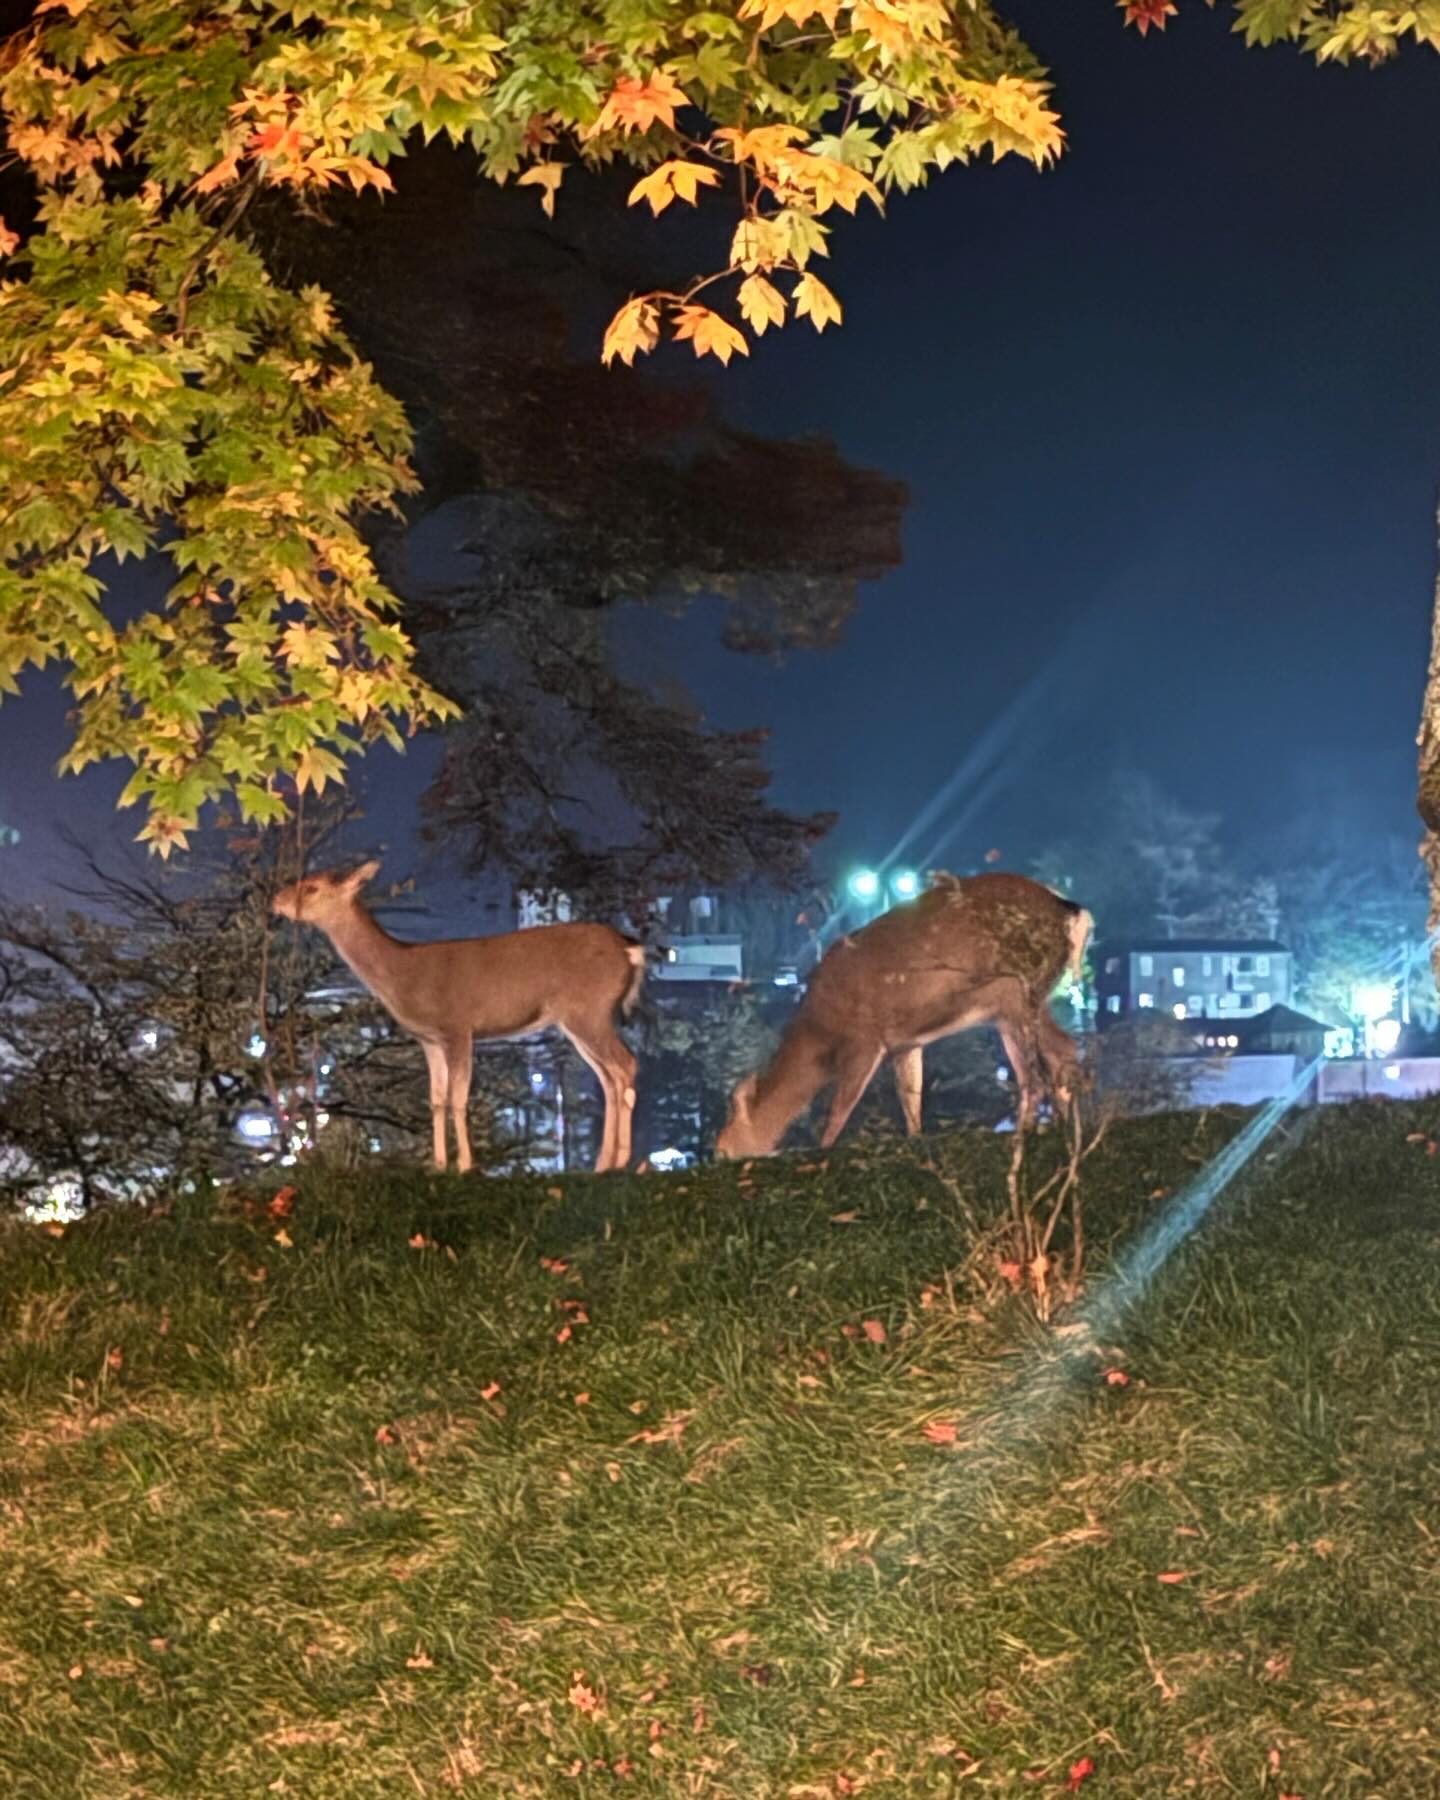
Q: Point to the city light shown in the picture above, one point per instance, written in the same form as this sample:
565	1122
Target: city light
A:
865	884
1385	1035
1371	1000
905	884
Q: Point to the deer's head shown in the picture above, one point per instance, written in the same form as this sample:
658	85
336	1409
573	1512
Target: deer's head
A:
743	1135
324	900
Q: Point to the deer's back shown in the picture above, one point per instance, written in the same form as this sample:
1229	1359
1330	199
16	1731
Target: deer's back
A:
517	982
907	969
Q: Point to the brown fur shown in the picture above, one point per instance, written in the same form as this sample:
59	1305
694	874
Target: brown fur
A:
986	949
576	978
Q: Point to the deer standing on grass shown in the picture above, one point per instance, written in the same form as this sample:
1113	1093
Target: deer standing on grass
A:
988	949
579	978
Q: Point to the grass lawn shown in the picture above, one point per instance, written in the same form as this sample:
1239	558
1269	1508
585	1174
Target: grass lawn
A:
731	1485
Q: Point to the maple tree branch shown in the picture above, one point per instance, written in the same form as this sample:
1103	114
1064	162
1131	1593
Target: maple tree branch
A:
249	187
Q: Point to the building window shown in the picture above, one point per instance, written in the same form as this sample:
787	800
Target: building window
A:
1177	975
1196	1004
1113	1003
1262	965
1207	965
1144	1000
1112	963
1228	1002
1147	965
1244	965
1262	1003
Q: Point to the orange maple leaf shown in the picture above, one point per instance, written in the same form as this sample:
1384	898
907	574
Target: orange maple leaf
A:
875	1331
582	1696
1142	14
1173	1577
942	1431
636	105
1079	1771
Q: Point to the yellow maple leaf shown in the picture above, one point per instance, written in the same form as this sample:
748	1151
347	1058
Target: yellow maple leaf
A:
1019	119
672	181
762	145
709	333
761	303
771	12
635	330
547	176
885	23
824	181
636	105
165	831
758	244
814	301
315	766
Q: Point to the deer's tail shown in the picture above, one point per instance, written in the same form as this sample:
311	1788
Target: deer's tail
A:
635	956
1081	924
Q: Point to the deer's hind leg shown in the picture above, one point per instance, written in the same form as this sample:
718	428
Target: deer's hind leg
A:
460	1059
437	1063
614	1064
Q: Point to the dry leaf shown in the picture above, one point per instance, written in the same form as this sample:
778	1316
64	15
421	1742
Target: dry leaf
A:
76	1671
421	1242
554	1265
282	1204
1116	1378
489	1393
114	1358
942	1431
563	1335
582	1696
419	1660
1079	1771
1010	1272
875	1331
1173	1577
613	1471
582	1399
844	1218
284	1240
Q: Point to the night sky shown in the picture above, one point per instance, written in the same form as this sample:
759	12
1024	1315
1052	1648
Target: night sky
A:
1170	417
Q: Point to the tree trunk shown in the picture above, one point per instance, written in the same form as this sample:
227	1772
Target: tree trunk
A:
1428	797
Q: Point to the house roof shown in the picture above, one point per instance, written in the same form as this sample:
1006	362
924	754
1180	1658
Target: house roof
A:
1273	1021
1210	946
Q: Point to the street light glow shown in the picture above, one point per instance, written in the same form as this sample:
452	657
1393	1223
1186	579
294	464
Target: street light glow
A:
864	884
1372	1000
905	884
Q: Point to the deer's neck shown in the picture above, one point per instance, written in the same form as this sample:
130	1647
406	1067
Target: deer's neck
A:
371	953
800	1068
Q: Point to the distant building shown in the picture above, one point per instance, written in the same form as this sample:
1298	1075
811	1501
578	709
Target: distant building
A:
1229	979
1278	1031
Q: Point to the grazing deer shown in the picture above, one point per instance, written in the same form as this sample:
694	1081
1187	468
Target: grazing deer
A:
579	978
986	949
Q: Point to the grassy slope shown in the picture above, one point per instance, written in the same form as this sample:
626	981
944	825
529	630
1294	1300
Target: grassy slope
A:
216	1580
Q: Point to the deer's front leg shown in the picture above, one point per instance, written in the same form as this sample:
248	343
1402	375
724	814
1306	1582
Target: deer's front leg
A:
909	1068
438	1065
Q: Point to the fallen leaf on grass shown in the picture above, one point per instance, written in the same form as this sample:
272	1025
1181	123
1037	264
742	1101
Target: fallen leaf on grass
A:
1116	1378
564	1335
1277	1667
282	1204
1079	1771
582	1696
613	1471
554	1265
844	1218
1323	1547
489	1393
808	1380
1173	1577
419	1660
421	1242
114	1358
942	1431
1010	1272
668	1431
875	1331
759	1673
576	1310
582	1399
385	1435
76	1671
284	1239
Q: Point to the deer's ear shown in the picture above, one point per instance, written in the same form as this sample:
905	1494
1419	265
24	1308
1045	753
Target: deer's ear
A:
358	878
